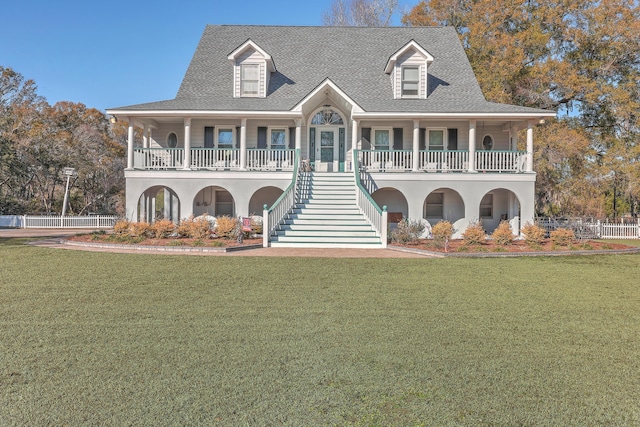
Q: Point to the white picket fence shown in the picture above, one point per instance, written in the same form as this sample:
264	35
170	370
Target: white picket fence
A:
600	229
51	221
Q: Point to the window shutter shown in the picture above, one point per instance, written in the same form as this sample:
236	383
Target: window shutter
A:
453	139
366	139
262	137
423	139
312	144
397	139
292	138
237	136
208	137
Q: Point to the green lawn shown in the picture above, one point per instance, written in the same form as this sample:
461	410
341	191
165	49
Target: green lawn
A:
121	339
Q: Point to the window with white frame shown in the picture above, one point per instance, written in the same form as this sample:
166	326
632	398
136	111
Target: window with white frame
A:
278	138
225	136
434	206
486	206
249	79
410	81
437	139
382	139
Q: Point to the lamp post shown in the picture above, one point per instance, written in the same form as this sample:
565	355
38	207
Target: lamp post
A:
69	172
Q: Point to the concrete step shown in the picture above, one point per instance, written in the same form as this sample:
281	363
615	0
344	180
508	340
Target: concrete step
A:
327	239
364	226
336	234
328	218
276	244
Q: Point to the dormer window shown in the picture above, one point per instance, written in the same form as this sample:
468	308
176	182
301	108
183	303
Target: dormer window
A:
409	70
410	81
249	79
252	68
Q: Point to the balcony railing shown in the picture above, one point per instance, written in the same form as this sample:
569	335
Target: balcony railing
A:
214	159
262	159
442	160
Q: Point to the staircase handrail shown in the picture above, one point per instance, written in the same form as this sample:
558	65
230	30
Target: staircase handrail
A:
375	215
272	216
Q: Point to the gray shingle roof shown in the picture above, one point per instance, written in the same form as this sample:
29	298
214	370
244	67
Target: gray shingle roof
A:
354	58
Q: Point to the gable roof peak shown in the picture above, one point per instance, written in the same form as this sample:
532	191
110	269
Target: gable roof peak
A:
412	44
250	44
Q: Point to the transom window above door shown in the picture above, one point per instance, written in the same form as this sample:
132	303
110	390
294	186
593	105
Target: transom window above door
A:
327	117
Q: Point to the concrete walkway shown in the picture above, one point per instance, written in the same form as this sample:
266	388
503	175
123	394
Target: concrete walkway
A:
51	238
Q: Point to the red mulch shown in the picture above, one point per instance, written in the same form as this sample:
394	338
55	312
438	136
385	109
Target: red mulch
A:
517	246
165	242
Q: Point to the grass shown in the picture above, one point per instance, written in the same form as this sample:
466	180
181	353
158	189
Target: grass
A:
120	339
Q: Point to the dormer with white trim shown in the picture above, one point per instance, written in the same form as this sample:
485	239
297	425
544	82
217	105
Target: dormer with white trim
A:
252	67
408	69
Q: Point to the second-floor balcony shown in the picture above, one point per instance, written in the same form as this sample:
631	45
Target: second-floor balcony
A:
257	159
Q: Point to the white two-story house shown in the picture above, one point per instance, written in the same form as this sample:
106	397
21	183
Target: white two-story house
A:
395	116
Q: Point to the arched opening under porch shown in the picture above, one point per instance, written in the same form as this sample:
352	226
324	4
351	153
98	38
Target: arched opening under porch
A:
263	196
214	201
158	202
499	205
396	202
443	204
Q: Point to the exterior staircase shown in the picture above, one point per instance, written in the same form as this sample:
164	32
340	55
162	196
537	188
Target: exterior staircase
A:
327	216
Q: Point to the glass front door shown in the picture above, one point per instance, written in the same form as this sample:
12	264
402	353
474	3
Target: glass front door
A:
327	150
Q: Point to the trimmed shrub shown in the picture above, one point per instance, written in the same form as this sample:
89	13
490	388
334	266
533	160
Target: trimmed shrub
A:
408	231
442	231
533	234
503	234
139	229
195	228
474	234
121	227
226	227
162	229
562	236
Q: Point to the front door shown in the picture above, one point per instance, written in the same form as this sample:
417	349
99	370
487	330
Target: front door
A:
327	149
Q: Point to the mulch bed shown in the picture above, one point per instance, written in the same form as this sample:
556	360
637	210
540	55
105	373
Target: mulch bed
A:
183	241
518	246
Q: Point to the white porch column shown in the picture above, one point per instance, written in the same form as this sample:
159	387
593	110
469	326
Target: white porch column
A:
416	146
130	144
354	141
243	144
145	137
298	142
530	124
472	145
187	143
